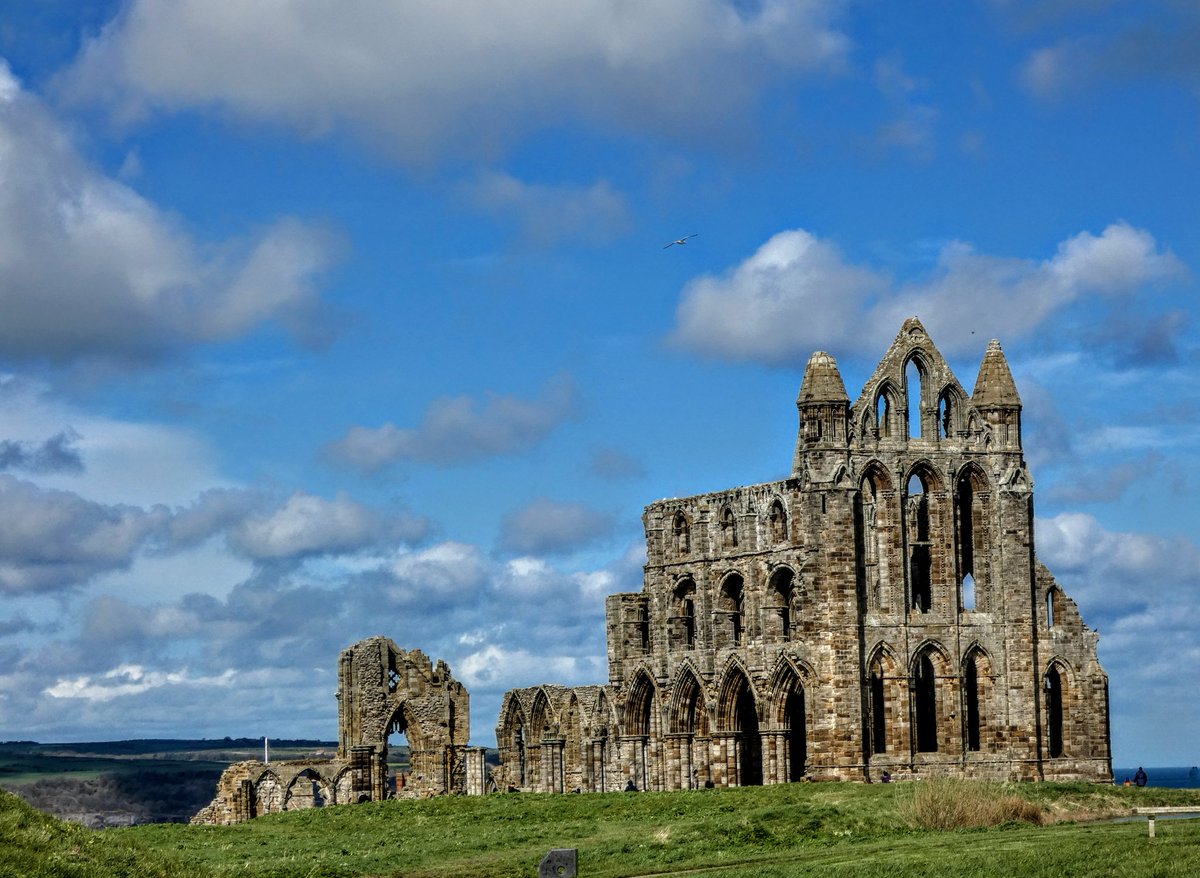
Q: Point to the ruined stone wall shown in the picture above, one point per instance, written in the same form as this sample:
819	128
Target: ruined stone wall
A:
880	610
382	690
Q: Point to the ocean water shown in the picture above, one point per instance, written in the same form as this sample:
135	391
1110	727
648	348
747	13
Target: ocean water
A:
1185	777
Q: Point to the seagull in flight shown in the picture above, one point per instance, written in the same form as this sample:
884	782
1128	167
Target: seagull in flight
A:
681	241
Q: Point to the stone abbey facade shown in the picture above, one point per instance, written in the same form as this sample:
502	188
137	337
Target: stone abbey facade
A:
881	610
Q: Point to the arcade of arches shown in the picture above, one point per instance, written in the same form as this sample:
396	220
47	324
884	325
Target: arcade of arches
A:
879	610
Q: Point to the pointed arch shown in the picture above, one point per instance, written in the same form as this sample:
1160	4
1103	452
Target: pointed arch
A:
688	714
268	794
513	738
731	609
886	688
574	735
729	528
737	713
952	403
922	507
681	531
873	527
977	697
934	698
915	367
777	521
307	790
642	730
884	410
790	713
1056	689
781	615
972	519
684	627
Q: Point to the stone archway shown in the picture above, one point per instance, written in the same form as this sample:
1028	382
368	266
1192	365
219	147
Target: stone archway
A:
384	689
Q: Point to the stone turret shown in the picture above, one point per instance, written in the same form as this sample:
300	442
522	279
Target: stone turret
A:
823	406
997	400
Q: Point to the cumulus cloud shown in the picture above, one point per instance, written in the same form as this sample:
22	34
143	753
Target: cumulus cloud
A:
550	214
1140	591
1160	44
458	429
797	293
310	525
271	643
547	526
53	540
129	680
380	70
55	455
89	268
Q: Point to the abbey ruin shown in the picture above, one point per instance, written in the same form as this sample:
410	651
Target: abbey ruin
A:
881	610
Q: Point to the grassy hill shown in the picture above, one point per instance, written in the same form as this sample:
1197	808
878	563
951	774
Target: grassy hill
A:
110	783
841	830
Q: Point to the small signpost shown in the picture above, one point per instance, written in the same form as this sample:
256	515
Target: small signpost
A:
559	863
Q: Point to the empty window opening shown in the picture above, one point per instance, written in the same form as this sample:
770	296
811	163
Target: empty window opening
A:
1050	595
920	558
749	740
399	756
783	597
966	525
971	683
683	538
883	416
643	622
797	737
729	536
878	715
1054	712
913	390
778	522
925	705
732	604
968	592
944	417
685	611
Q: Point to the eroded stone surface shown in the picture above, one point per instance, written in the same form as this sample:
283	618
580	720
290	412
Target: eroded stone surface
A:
880	610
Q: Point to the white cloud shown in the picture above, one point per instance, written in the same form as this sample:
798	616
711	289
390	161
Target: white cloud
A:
383	70
89	268
591	215
310	525
548	526
797	293
54	540
458	429
130	680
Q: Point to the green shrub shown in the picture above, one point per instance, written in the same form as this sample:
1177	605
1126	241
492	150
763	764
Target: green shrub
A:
947	803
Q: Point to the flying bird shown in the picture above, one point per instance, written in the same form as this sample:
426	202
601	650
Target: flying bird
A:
681	241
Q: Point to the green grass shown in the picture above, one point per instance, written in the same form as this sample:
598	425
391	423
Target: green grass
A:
794	830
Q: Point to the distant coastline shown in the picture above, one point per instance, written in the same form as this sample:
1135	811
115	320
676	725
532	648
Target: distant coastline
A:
1185	777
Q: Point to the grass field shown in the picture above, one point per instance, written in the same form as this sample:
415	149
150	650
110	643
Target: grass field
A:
793	830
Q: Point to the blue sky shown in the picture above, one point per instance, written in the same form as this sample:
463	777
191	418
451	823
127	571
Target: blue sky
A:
325	320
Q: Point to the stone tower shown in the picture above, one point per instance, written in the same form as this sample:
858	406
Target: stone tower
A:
882	609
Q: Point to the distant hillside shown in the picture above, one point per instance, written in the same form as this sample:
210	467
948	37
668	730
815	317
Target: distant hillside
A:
122	783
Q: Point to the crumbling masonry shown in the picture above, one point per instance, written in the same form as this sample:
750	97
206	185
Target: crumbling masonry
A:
881	610
382	690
